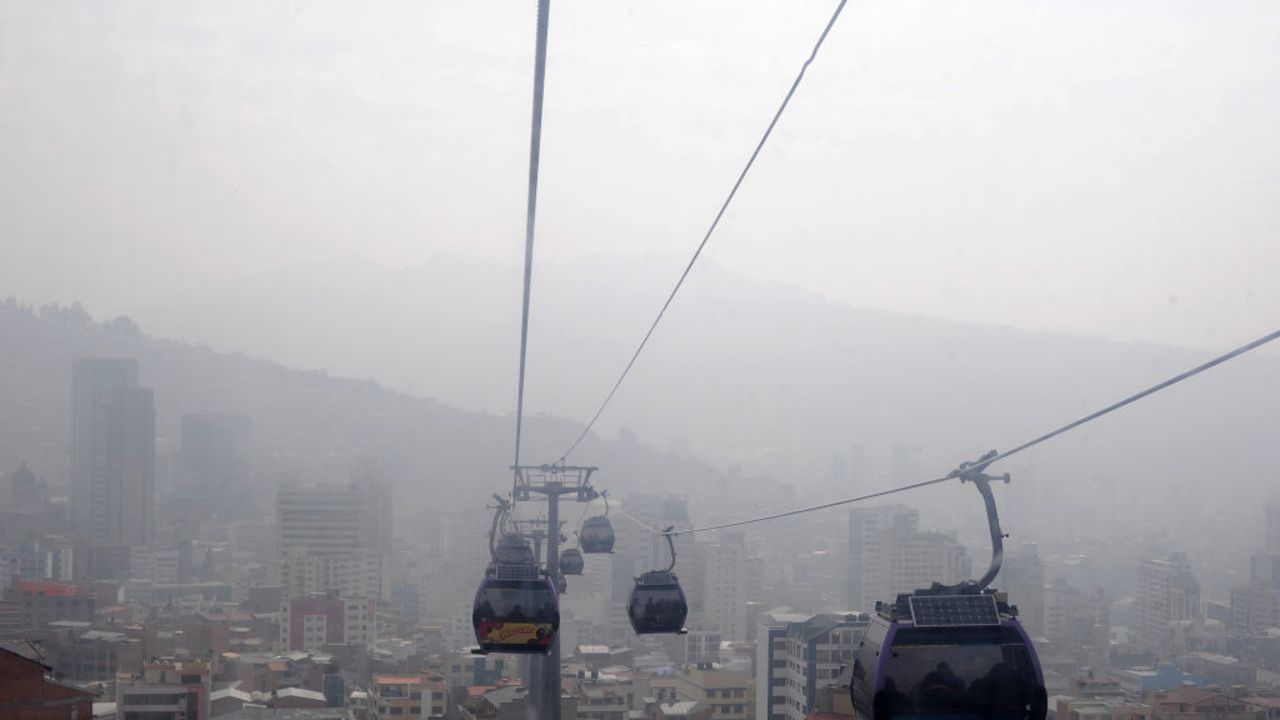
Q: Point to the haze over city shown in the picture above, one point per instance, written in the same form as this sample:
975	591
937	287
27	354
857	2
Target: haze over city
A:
261	281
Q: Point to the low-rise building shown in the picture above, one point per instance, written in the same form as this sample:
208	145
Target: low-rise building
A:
796	655
328	619
597	701
1191	703
463	669
1065	707
165	691
730	695
47	601
1221	670
408	697
1140	680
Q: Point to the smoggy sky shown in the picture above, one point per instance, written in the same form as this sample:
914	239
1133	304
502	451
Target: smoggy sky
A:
1100	167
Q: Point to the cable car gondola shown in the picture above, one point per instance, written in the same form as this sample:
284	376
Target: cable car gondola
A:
658	603
516	608
596	534
953	651
571	561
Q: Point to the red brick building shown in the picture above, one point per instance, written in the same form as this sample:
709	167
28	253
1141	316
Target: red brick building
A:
28	693
328	619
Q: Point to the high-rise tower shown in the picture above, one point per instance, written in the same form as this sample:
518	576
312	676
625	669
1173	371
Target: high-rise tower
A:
113	452
1167	591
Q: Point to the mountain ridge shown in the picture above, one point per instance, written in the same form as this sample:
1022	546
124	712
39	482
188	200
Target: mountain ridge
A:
308	425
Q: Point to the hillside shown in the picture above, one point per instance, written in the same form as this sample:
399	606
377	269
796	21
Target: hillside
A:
307	424
767	377
794	396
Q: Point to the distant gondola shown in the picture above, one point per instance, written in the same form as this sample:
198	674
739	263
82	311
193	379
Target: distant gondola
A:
596	534
658	603
571	561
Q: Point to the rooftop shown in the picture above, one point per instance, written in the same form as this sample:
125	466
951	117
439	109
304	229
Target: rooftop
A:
294	692
230	692
503	695
104	635
1214	658
259	712
682	708
1187	695
397	679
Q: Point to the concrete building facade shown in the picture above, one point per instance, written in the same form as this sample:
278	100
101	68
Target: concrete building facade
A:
796	655
166	691
408	697
724	586
328	619
730	695
1167	591
889	554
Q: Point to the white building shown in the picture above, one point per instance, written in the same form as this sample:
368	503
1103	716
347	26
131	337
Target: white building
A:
335	537
178	691
331	519
888	554
919	559
407	697
702	644
1167	591
798	654
356	575
724	586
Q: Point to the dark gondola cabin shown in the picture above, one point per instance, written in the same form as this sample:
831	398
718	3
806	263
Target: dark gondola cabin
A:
516	607
953	652
571	562
657	604
515	611
596	535
961	656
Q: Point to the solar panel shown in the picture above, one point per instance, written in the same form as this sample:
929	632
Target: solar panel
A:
954	610
516	571
657	577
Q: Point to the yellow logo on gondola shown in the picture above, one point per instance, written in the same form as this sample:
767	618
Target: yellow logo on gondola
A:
518	633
